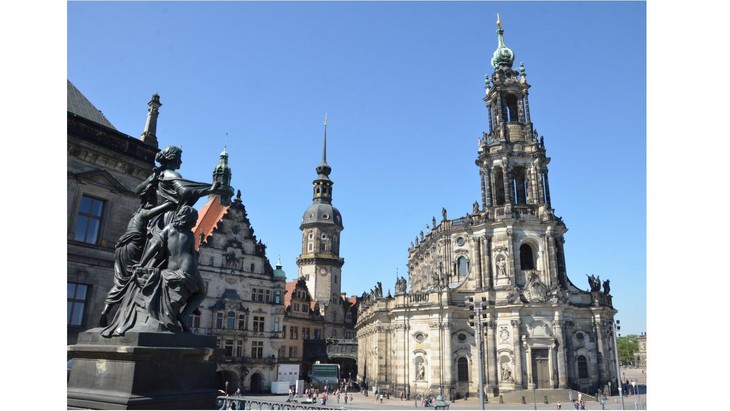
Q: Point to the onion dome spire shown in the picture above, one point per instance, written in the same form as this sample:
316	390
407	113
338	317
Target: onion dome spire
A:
503	56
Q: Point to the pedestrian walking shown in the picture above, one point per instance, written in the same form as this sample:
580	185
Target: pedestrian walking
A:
570	395
559	406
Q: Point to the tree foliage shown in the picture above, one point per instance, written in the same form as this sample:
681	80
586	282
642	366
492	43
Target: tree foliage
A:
627	346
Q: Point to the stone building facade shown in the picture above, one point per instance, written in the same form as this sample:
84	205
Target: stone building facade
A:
103	168
244	304
503	261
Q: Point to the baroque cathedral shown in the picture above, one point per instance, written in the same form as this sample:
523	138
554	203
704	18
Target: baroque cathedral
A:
489	292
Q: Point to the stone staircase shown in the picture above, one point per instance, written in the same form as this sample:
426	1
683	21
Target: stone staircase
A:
541	396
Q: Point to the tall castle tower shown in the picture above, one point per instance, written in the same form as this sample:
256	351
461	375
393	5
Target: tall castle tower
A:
320	263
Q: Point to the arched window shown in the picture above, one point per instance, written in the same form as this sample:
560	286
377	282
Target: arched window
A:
231	320
512	112
527	261
462	367
582	366
498	186
519	185
462	267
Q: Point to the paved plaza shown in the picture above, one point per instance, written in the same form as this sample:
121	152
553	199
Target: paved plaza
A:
361	402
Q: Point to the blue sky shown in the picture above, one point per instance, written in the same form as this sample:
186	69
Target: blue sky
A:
402	86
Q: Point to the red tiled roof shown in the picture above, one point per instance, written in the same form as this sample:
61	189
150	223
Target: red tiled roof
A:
208	217
290	286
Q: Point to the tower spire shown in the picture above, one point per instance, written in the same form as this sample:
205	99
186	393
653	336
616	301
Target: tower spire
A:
149	135
323	169
324	147
222	174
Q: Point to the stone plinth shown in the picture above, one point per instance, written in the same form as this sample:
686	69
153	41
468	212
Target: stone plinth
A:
143	370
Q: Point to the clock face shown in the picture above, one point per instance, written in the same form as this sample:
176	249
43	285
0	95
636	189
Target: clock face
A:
322	271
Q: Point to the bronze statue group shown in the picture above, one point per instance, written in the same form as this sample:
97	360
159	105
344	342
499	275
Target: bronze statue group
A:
157	285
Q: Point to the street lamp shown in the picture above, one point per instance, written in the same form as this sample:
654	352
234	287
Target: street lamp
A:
476	311
616	328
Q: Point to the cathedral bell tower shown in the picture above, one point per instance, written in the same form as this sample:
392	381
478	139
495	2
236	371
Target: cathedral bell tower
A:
512	161
320	263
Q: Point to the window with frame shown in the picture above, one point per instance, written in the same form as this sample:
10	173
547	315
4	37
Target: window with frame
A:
228	347
282	352
582	366
76	301
219	320
293	352
277	324
277	297
463	369
296	307
258	324
257	349
317	334
238	352
305	333
305	308
527	262
231	320
194	320
88	220
293	333
242	322
267	297
462	267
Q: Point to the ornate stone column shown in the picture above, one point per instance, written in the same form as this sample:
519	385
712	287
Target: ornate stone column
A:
447	355
558	329
488	261
601	346
528	364
517	347
476	243
511	253
551	257
508	194
492	378
553	366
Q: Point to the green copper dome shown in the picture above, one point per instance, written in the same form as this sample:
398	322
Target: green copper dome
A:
279	272
503	56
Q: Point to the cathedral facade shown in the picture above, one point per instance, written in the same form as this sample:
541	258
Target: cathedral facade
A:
488	292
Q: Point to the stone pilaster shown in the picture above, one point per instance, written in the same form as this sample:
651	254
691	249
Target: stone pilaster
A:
558	330
517	347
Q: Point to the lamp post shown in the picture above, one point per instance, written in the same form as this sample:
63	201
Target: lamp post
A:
616	328
477	313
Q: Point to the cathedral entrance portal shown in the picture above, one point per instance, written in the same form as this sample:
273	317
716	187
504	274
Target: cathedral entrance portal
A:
541	368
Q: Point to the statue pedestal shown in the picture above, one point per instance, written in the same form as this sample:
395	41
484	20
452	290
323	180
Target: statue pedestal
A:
142	370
